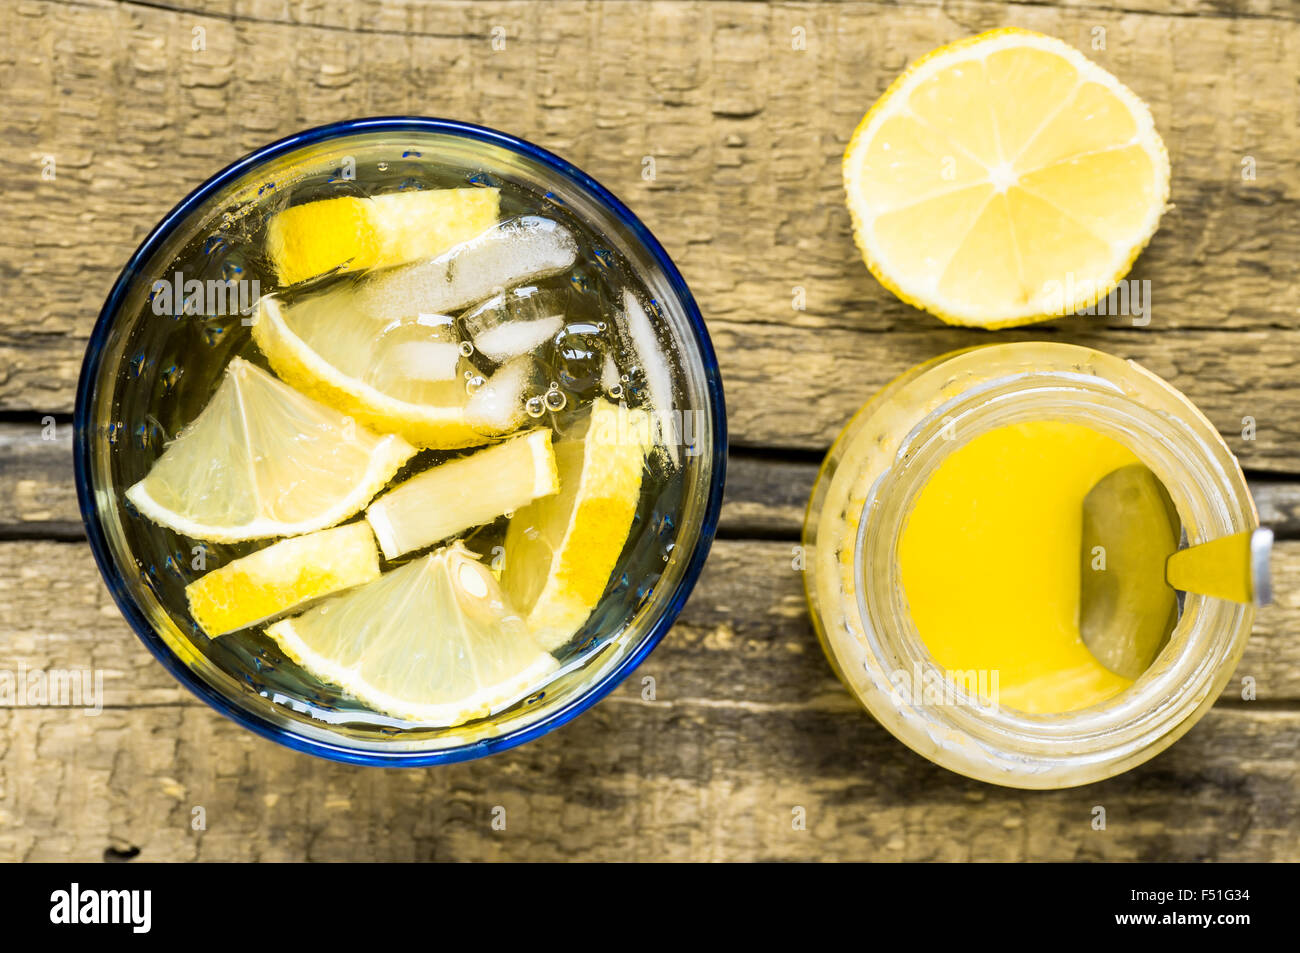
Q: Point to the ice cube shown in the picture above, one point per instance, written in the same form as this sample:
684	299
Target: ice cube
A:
514	322
650	356
513	252
419	359
424	360
609	381
497	406
510	340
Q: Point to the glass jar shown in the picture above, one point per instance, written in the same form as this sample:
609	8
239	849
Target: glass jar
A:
868	485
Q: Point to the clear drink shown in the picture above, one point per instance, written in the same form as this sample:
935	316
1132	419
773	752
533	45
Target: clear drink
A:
591	331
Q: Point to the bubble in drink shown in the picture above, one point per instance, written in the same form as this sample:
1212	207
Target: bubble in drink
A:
580	351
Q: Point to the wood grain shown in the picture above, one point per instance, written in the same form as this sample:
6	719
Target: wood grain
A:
746	133
402	17
765	498
744	634
630	780
747	723
36	481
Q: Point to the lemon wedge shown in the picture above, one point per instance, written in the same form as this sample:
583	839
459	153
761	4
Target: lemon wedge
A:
383	350
1005	179
352	234
397	377
283	577
263	460
469	491
434	641
561	550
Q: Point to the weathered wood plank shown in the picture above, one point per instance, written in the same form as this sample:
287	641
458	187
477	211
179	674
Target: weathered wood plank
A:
807	394
765	495
630	780
743	637
404	16
37	493
747	725
746	133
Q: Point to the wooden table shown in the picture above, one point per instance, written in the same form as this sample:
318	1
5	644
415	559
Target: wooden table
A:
745	109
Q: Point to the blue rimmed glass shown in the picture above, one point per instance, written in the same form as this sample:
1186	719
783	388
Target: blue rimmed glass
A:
247	691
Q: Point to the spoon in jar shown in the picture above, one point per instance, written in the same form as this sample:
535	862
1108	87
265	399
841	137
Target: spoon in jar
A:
1132	569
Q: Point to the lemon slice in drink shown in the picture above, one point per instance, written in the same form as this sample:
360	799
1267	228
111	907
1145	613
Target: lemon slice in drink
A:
561	550
1005	179
283	577
263	460
434	641
399	377
459	494
353	234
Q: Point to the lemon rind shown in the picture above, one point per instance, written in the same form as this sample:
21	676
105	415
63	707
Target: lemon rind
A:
559	610
382	230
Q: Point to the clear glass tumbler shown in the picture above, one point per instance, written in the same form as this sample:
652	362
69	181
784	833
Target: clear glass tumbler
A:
136	388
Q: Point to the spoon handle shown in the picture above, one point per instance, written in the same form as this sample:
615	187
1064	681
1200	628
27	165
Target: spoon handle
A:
1231	567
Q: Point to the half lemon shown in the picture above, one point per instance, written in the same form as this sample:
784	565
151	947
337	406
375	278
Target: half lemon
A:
1005	179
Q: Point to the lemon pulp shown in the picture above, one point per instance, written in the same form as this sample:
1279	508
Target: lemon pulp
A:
434	641
463	493
989	559
263	460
